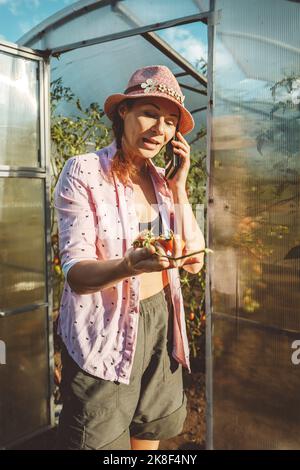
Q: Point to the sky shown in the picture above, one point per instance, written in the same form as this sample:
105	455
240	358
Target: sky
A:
17	17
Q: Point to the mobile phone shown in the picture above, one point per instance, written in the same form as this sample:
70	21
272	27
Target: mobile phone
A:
172	160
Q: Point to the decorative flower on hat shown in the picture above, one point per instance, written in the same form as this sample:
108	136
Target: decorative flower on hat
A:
151	86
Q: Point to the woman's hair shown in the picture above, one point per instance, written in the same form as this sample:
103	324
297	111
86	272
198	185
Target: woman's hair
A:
120	165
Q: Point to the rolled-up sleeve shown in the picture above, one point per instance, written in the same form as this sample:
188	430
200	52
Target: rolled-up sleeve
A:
76	214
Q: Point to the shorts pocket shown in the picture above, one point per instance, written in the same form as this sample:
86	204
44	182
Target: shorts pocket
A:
94	393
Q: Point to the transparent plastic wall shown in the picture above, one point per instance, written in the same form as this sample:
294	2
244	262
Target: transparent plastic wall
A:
254	225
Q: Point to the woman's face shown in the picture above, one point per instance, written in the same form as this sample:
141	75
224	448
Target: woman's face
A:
148	125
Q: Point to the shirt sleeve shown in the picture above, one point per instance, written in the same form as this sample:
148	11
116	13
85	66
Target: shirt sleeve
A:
68	265
76	215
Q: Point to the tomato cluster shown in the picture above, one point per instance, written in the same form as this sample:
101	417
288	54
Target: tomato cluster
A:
146	238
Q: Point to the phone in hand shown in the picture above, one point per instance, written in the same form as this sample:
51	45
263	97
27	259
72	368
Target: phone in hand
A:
172	160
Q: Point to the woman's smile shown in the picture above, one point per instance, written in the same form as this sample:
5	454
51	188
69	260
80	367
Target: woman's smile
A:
150	143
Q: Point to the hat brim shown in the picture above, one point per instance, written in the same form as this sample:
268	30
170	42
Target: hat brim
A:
186	121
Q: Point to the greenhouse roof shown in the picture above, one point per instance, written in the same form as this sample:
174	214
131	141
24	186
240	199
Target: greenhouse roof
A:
96	45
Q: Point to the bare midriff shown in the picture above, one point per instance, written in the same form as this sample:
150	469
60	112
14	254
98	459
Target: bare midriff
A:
145	200
152	283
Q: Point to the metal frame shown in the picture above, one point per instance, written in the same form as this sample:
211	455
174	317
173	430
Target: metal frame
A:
26	308
22	51
209	199
23	171
47	193
198	110
41	172
56	51
191	88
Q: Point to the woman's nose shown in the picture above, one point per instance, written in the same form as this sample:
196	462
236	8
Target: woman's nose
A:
160	126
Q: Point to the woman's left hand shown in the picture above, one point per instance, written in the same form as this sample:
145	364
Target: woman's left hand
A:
181	148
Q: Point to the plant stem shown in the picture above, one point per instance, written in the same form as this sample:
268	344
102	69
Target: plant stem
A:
180	257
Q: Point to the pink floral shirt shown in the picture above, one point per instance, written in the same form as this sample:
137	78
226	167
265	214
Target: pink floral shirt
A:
97	220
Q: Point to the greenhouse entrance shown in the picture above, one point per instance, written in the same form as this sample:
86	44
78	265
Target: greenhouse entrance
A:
26	400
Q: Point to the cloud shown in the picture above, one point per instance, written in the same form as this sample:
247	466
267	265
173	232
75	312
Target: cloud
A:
16	7
184	42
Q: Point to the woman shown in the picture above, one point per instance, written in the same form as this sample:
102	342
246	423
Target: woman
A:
122	319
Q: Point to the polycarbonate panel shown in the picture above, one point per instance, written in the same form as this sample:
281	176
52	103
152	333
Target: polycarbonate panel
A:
24	397
254	218
19	107
256	387
267	29
22	239
154	11
65	28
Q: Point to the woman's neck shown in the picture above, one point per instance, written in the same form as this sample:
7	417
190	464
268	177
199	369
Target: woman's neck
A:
140	164
140	177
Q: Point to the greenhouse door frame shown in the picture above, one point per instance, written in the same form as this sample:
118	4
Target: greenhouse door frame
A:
210	18
211	31
40	171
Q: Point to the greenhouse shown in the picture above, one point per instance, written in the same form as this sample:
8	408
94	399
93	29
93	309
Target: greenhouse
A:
246	108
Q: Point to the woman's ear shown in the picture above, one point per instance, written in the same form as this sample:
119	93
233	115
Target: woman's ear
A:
122	110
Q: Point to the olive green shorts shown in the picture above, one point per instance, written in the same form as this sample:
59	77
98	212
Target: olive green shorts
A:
100	414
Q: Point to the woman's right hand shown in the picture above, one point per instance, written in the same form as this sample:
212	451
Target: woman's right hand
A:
142	260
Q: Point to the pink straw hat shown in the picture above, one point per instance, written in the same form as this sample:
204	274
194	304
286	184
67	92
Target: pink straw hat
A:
154	80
